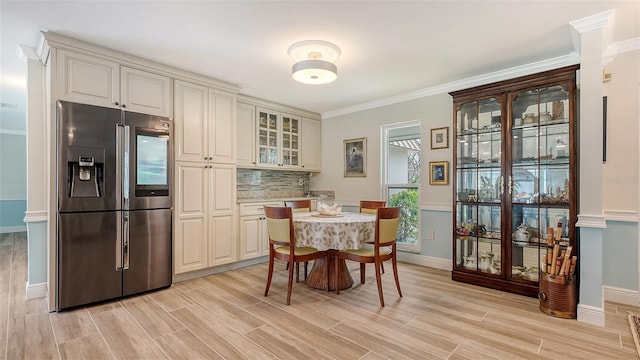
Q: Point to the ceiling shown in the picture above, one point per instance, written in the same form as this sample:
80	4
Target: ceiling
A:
388	48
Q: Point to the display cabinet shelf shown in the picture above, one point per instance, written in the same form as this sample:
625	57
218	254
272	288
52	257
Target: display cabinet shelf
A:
515	161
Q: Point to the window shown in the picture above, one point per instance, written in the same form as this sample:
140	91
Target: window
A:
402	166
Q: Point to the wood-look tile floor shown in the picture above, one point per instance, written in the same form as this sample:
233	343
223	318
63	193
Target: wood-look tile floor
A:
226	316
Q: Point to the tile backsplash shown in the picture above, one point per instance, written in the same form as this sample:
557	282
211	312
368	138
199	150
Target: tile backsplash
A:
268	184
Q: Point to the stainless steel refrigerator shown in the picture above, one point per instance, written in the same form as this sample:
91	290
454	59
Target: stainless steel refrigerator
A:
114	178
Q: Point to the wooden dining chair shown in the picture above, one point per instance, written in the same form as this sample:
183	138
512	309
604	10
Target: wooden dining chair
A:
299	206
370	207
282	244
384	248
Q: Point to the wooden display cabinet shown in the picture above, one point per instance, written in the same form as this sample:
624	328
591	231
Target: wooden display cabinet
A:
514	176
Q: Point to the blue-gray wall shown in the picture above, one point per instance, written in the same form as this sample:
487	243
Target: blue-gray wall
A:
620	266
13	180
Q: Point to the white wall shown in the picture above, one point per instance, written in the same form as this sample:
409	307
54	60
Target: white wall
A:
620	173
434	111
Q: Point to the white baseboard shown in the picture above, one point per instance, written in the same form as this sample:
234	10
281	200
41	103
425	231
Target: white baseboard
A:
591	314
417	259
12	229
622	296
35	291
218	269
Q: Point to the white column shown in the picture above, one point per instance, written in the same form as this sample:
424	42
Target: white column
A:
36	215
590	36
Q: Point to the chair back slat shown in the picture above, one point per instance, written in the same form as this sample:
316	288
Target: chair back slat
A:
388	231
298	205
279	224
371	206
278	230
387	224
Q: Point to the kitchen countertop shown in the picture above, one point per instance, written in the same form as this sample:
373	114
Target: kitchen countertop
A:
255	200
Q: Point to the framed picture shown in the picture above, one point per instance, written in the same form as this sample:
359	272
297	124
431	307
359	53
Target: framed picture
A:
355	157
440	138
438	172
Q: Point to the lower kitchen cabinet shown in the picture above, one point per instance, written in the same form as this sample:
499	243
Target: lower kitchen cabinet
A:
205	228
254	238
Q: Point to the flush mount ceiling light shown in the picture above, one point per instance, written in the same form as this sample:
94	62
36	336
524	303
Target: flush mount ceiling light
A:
314	61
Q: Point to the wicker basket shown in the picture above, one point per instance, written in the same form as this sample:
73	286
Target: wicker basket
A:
558	295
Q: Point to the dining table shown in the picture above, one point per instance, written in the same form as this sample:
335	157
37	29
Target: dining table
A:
332	233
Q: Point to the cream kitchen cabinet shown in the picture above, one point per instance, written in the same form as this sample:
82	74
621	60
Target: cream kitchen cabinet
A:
204	124
205	228
253	229
278	139
310	144
94	80
246	135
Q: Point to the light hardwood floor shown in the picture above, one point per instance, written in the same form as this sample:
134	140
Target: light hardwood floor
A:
226	316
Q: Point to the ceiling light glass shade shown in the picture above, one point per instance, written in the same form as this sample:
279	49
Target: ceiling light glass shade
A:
302	49
314	72
314	61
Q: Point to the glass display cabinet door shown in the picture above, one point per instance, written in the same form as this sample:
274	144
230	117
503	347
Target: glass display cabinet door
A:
539	175
290	137
267	138
479	186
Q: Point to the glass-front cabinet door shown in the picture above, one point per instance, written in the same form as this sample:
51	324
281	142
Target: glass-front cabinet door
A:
479	185
514	179
268	127
278	139
290	137
539	176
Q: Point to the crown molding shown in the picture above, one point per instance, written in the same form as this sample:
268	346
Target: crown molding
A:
592	22
618	48
522	70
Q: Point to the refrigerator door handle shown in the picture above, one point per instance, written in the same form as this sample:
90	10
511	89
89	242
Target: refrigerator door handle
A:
118	243
125	245
125	175
119	136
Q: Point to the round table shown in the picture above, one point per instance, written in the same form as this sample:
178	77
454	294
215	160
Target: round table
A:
332	233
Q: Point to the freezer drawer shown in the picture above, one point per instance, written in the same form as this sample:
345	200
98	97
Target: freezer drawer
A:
149	248
87	258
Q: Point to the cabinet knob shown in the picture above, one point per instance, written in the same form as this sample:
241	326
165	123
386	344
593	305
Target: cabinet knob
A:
117	103
124	106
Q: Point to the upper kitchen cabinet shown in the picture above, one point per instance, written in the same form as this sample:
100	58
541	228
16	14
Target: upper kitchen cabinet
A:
145	92
94	80
222	127
204	124
310	146
246	135
278	138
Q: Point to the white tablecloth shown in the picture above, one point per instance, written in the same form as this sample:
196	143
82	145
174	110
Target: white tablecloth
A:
348	231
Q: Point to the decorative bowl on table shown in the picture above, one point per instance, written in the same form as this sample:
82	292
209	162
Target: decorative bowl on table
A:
328	207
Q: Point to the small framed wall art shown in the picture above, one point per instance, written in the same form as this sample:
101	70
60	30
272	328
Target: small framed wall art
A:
355	157
440	138
438	172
